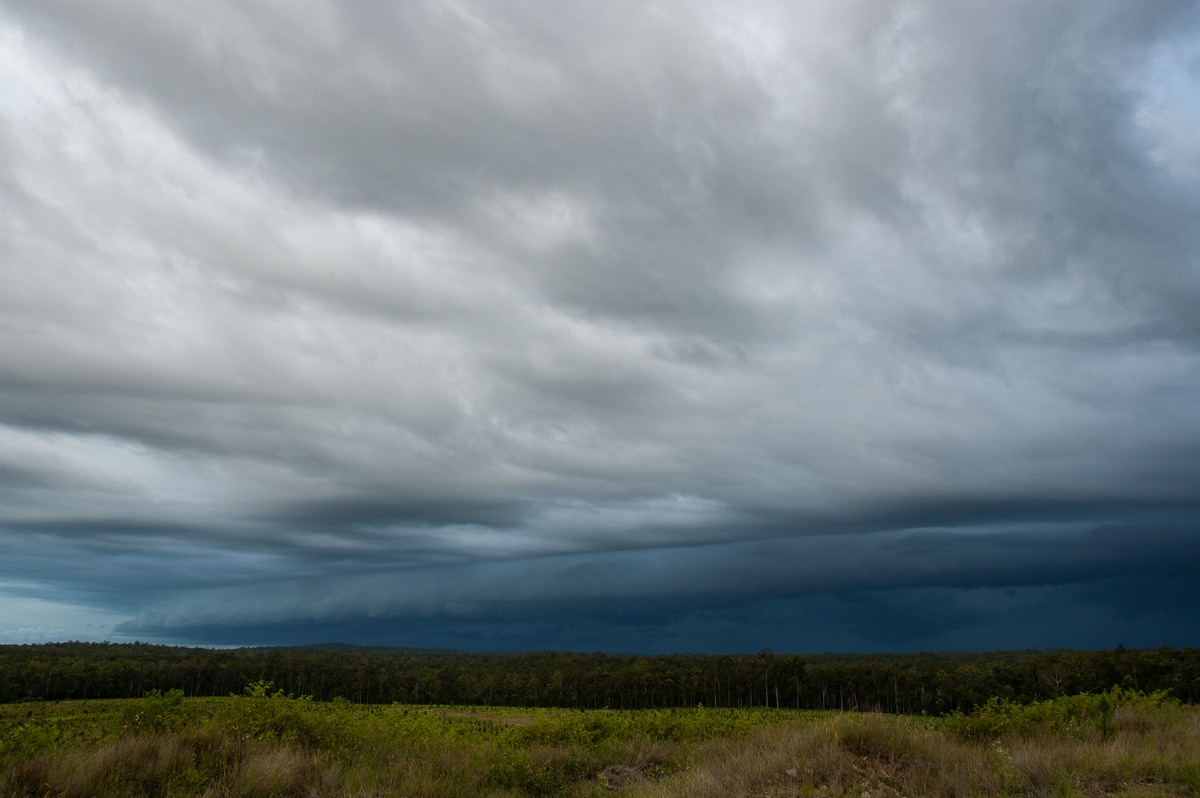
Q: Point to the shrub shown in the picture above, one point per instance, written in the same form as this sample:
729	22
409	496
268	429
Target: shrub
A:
513	771
1074	713
155	712
279	716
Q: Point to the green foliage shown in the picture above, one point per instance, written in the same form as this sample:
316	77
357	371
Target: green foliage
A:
512	770
28	738
265	713
155	712
1105	707
1074	713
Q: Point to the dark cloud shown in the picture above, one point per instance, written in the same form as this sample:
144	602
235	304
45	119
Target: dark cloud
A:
831	326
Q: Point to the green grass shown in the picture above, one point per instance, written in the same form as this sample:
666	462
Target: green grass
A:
268	744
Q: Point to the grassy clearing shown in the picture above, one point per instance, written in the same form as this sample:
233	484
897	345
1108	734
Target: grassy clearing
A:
269	744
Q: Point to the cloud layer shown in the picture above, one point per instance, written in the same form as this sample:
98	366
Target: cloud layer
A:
639	327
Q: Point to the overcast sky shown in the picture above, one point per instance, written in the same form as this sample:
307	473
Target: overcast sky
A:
624	326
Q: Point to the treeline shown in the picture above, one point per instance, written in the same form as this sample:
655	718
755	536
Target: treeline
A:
899	683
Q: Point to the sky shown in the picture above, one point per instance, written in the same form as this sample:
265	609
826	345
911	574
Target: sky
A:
622	326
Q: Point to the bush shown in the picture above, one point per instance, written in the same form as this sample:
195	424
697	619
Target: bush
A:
1074	713
278	716
156	712
513	771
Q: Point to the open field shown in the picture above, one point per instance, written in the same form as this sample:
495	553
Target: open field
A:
266	743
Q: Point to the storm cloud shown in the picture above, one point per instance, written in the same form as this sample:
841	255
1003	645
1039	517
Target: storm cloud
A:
624	326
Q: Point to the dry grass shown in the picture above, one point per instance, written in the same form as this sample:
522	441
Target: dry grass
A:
1154	753
840	756
131	766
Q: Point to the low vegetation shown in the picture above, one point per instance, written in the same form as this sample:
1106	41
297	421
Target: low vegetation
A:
265	742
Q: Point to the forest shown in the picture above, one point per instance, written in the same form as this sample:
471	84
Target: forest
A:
912	684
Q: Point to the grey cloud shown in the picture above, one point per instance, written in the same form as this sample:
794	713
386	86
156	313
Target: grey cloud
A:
409	312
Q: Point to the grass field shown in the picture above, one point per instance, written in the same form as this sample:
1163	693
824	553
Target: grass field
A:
268	744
